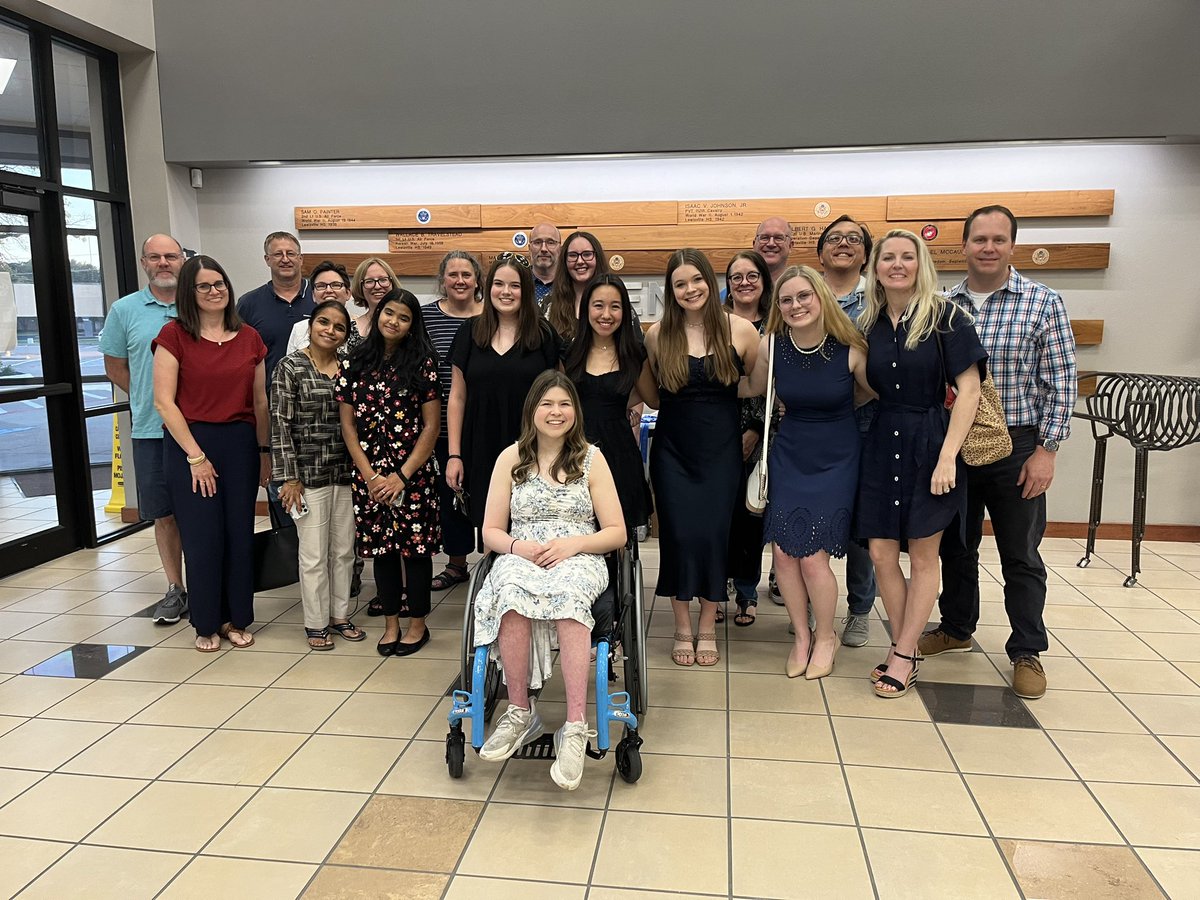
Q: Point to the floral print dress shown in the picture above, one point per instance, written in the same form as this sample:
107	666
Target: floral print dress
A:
541	511
387	415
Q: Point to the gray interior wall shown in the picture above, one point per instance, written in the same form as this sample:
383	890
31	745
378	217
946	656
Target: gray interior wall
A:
453	78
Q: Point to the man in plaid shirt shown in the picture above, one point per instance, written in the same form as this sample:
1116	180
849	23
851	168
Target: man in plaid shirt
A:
1031	355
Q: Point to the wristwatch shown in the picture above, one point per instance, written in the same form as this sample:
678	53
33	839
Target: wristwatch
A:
1049	444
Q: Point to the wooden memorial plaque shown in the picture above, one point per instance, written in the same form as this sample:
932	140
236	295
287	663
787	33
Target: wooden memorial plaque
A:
584	215
796	211
1028	204
475	241
366	217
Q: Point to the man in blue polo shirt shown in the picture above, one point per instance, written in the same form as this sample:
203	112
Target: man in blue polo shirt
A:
274	308
132	323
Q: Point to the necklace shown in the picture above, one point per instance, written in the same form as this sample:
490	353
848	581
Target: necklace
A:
695	325
799	349
608	349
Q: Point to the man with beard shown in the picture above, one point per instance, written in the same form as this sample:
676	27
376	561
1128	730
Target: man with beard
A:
132	323
544	241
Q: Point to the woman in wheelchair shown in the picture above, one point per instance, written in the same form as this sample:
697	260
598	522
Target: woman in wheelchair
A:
552	512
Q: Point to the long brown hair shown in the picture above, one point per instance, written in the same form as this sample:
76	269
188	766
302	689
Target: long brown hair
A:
560	303
187	308
571	457
833	318
531	330
672	334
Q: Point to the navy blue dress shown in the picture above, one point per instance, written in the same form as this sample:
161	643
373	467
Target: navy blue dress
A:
606	424
695	468
813	463
900	450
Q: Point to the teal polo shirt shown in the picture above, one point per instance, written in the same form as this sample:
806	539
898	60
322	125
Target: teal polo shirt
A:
132	323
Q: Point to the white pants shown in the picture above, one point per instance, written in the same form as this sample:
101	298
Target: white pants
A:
326	554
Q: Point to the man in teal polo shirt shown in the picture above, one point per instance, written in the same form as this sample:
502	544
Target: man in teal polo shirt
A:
132	323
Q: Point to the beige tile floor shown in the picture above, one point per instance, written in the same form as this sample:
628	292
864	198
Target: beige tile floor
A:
277	772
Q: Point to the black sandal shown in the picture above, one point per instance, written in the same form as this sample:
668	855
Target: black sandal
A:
375	608
879	670
449	577
901	687
318	634
343	627
720	612
744	619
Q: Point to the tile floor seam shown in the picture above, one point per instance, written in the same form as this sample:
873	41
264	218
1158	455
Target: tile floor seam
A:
730	861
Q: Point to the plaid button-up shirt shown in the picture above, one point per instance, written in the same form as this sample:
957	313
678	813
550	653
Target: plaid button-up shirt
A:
1031	352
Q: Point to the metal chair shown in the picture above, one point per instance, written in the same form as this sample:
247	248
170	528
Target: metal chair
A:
1152	412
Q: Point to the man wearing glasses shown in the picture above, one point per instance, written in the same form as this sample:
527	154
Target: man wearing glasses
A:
132	323
544	241
843	249
275	307
774	241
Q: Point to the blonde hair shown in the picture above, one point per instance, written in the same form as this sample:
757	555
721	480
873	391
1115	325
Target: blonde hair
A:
833	318
672	334
926	306
572	455
356	288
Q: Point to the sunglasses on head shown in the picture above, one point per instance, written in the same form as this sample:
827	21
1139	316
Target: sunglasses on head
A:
509	256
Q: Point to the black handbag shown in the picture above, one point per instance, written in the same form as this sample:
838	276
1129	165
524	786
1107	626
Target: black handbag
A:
276	552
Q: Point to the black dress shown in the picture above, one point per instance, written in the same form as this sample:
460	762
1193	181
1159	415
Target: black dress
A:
901	448
496	387
606	425
696	467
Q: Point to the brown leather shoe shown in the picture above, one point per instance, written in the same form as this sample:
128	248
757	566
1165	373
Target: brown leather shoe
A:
937	641
1029	679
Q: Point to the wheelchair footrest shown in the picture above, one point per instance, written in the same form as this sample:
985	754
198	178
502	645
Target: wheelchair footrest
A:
542	748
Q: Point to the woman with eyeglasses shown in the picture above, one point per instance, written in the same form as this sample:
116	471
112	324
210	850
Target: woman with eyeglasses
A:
747	295
582	259
210	389
699	353
608	366
329	281
819	359
459	297
372	281
310	459
496	356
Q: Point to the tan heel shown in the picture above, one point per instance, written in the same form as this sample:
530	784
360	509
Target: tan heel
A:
794	669
707	657
683	656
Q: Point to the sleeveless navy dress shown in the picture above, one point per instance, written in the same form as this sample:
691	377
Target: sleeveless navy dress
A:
606	424
814	460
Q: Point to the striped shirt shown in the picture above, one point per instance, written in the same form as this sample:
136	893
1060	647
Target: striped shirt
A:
442	329
1031	352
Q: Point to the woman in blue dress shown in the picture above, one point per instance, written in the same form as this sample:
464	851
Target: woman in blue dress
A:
912	485
813	462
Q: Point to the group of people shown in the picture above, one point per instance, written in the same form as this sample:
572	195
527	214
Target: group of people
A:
499	415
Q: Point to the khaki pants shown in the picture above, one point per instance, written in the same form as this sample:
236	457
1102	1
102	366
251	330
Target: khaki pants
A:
326	554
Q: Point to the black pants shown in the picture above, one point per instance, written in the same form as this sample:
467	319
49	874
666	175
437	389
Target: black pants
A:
1019	525
218	531
391	572
458	534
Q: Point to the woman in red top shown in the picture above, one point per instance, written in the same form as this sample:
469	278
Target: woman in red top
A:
210	389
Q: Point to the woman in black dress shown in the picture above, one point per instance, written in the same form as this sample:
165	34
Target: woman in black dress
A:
698	352
608	365
496	357
911	484
390	411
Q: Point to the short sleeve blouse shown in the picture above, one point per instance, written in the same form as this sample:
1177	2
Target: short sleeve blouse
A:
216	380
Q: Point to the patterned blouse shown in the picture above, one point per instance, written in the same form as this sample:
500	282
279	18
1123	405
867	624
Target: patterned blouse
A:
306	431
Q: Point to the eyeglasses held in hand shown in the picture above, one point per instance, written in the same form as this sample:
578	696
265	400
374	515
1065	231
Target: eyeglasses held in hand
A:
748	278
207	287
509	256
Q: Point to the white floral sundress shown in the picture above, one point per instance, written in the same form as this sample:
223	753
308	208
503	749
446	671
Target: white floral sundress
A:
541	511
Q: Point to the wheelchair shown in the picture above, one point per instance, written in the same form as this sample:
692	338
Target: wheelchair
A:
619	637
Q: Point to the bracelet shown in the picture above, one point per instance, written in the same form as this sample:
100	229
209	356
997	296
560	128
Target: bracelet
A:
197	460
511	546
453	456
403	480
373	477
263	449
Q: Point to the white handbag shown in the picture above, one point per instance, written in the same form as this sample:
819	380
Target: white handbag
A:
756	487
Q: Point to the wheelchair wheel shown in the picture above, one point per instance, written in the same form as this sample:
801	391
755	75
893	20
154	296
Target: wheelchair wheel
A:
455	751
629	758
634	640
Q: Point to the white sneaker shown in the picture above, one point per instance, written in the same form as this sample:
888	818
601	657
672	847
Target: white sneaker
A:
570	746
516	728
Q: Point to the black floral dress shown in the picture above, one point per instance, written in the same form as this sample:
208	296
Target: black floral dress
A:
388	418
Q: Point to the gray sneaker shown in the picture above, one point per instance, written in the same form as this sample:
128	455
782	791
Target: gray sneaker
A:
172	606
856	631
570	751
516	728
773	589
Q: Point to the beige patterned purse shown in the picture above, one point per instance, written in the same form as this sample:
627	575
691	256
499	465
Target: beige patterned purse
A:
988	440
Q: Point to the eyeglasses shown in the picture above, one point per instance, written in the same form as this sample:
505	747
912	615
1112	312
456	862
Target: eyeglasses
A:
802	297
545	242
376	282
508	256
329	286
156	258
748	278
772	238
280	255
585	255
210	286
837	237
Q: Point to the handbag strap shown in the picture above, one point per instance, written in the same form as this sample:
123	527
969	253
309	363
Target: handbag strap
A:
770	394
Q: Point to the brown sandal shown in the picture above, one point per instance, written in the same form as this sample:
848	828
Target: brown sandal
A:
683	656
228	630
707	657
